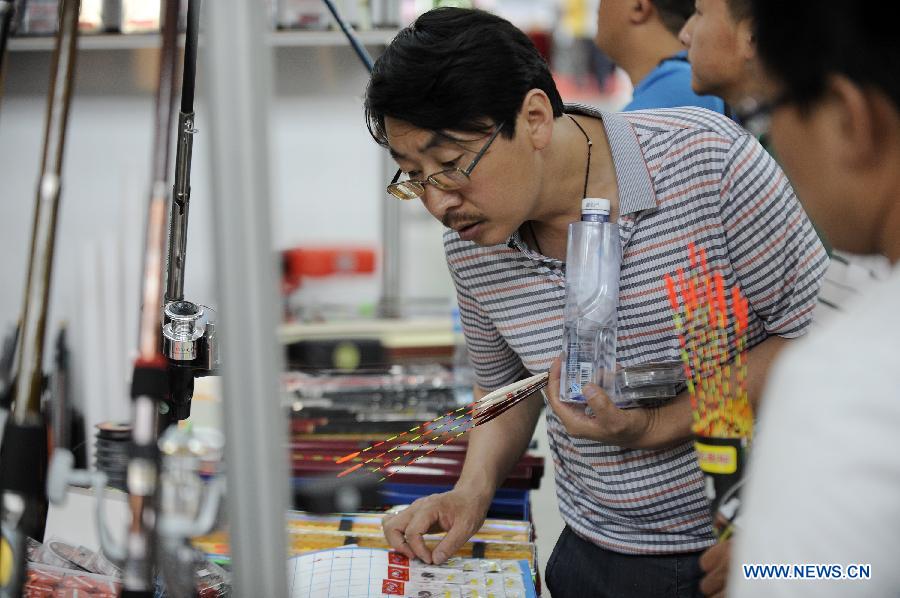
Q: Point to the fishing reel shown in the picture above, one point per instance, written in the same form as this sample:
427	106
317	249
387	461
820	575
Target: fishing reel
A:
191	347
192	490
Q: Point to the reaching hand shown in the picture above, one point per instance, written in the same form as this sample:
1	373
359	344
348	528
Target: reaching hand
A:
456	512
607	423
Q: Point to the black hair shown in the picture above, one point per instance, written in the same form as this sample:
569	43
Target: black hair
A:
741	9
803	43
674	13
456	69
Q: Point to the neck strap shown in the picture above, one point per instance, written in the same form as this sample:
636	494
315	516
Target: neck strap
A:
590	144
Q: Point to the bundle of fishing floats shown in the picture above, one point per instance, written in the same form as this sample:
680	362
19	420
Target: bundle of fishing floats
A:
713	348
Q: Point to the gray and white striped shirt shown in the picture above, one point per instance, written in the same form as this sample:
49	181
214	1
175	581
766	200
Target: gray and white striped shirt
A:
683	175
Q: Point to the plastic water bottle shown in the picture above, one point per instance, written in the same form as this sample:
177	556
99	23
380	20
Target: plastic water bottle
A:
463	376
593	258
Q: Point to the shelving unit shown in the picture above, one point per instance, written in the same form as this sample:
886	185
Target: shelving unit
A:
137	41
373	37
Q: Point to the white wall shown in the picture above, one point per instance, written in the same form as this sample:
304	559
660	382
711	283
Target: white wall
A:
328	180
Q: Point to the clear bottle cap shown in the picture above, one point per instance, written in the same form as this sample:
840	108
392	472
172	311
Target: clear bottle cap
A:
595	205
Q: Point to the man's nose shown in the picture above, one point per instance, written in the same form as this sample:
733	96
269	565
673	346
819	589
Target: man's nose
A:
438	202
685	34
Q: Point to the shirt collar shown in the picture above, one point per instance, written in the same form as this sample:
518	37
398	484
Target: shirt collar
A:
516	241
636	191
664	66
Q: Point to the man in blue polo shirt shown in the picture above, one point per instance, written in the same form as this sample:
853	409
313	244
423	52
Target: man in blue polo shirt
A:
641	36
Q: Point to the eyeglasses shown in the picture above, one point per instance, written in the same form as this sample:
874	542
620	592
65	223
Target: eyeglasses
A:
756	115
445	180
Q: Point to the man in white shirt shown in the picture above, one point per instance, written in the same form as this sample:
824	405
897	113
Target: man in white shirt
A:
823	486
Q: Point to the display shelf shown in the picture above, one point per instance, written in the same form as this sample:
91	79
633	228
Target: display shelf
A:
90	41
137	41
373	37
393	333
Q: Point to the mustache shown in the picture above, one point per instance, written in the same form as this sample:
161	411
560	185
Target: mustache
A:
457	220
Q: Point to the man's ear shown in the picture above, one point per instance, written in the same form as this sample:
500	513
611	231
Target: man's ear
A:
536	118
746	39
863	119
640	11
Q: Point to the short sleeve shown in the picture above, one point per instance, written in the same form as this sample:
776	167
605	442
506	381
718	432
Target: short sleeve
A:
494	362
775	252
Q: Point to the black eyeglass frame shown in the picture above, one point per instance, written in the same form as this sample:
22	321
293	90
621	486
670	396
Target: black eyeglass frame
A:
431	180
756	115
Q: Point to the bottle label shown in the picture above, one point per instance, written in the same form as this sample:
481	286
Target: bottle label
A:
589	359
582	372
579	366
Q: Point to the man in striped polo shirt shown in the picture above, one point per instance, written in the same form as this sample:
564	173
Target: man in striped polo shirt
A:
469	110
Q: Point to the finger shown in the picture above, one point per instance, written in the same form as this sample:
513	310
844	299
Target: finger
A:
554	373
457	535
571	420
552	389
597	399
415	532
714	582
552	392
709	558
567	414
562	410
394	529
715	555
416	543
572	415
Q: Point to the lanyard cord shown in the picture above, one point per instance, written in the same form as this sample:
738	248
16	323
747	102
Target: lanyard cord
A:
587	174
590	144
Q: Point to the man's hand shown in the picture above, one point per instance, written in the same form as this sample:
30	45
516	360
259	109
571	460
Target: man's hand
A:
714	564
607	423
457	512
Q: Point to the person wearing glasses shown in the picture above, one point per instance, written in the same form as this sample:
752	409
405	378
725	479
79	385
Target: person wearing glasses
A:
468	108
824	479
722	48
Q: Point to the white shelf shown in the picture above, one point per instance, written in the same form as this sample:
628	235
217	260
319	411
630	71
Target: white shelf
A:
374	37
90	42
136	41
394	333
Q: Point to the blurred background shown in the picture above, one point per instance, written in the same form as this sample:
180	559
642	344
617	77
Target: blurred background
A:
350	256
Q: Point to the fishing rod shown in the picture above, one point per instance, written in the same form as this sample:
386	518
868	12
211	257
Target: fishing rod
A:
351	36
6	15
390	218
181	196
23	458
60	411
7	374
189	330
8	348
157	530
150	382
